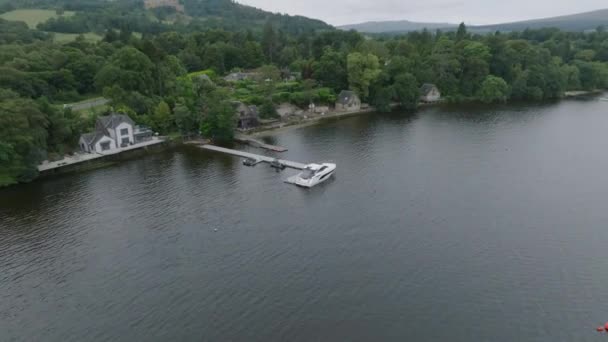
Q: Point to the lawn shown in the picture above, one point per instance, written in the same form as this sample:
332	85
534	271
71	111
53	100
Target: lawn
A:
32	17
70	37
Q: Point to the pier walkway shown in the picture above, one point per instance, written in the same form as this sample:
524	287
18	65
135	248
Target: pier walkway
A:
257	157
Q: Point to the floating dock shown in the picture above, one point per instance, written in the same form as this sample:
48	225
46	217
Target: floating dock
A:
257	157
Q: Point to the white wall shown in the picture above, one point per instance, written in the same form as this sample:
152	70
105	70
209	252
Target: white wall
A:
433	96
103	140
119	137
83	145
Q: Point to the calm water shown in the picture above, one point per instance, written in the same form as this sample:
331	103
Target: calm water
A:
461	224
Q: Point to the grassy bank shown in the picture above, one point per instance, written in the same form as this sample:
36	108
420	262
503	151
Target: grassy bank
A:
33	17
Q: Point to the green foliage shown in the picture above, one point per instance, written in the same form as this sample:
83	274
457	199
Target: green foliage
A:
162	119
362	71
493	89
129	69
382	99
330	71
268	110
185	119
219	119
406	91
28	130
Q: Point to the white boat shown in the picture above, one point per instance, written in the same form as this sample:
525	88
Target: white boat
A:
315	174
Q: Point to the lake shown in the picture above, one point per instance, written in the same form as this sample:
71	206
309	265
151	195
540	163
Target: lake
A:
470	223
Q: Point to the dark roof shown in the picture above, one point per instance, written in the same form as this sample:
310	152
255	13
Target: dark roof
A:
113	120
426	88
92	138
88	137
346	97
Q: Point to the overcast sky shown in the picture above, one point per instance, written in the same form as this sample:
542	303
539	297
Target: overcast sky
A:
340	12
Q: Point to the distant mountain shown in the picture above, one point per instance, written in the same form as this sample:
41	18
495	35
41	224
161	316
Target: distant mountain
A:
395	26
249	16
576	23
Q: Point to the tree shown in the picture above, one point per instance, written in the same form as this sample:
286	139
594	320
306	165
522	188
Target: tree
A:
269	73
219	118
128	68
330	70
474	57
162	119
268	110
382	99
185	119
407	91
461	33
493	89
362	71
269	42
23	140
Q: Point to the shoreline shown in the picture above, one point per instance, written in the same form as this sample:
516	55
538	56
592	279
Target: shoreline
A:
263	130
307	122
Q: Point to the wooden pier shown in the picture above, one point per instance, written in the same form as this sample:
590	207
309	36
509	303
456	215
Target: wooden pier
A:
257	157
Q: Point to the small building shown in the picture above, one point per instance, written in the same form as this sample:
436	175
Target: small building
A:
236	76
429	93
242	76
348	101
111	132
247	116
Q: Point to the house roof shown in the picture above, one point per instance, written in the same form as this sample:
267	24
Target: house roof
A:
346	97
88	137
113	120
427	88
92	138
245	111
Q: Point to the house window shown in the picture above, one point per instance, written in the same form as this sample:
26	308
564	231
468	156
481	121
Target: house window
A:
125	141
124	131
105	146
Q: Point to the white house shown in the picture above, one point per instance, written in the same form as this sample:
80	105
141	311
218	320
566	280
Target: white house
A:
429	93
111	132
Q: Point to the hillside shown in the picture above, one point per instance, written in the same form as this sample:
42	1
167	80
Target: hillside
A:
395	26
152	16
574	23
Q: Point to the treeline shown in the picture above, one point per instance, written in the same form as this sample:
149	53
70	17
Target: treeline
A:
154	78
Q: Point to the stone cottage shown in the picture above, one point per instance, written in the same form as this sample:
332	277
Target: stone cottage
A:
348	101
247	116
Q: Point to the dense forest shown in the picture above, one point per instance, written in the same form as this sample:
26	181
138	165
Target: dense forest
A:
154	75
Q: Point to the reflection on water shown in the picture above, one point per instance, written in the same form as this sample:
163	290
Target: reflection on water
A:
454	223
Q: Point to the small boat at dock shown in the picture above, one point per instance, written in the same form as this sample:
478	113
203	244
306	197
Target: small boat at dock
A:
250	162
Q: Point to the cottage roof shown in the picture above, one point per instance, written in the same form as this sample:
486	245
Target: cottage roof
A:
90	139
245	111
113	120
427	88
346	97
